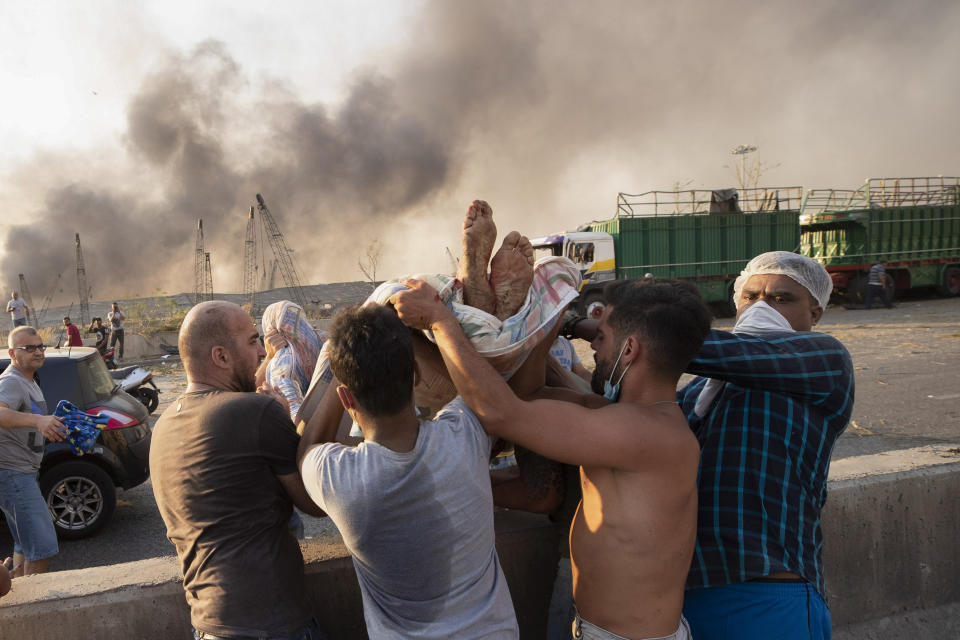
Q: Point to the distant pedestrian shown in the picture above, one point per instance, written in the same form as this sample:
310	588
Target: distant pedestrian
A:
73	334
18	310
877	286
101	332
116	317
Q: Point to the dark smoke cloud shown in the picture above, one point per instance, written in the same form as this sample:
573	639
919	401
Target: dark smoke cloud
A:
547	109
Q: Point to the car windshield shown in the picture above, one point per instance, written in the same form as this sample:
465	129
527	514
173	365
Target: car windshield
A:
93	372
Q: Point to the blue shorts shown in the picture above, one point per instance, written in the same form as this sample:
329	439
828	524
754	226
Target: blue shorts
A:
768	610
28	516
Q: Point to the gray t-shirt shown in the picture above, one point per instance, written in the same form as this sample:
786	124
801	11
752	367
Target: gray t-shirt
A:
420	527
21	448
16	309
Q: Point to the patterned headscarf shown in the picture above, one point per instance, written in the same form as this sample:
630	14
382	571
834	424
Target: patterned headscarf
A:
292	366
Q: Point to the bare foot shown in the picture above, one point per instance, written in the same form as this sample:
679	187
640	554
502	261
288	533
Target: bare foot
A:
479	235
511	274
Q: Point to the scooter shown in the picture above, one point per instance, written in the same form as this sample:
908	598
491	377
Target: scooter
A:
134	380
107	355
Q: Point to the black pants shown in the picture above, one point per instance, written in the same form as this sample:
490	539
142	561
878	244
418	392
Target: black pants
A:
877	290
115	337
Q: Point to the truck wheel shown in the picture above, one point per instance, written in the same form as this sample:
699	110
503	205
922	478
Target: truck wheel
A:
589	299
950	285
856	292
81	497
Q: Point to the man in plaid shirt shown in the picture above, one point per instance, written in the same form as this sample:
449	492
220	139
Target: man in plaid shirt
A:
770	403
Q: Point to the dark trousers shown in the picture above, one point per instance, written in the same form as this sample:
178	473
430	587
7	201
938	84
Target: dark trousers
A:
874	290
115	337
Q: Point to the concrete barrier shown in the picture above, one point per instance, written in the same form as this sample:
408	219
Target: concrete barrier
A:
890	554
139	347
144	600
890	547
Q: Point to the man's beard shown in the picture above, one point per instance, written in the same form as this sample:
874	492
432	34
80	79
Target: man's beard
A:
598	378
245	381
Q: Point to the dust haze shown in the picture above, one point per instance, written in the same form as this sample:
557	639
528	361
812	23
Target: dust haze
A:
545	109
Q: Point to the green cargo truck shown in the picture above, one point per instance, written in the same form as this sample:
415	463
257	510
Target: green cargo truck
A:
704	237
912	225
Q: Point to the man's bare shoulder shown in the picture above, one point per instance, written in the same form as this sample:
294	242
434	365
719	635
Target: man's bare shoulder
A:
648	434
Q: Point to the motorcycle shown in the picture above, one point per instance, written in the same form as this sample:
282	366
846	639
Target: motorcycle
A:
107	355
137	381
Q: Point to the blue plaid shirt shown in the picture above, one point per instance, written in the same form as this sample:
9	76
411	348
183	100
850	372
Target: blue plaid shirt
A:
765	443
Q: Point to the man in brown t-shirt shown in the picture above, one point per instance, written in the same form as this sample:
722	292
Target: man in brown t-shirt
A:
225	477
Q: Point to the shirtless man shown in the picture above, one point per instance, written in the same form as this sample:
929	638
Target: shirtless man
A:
633	535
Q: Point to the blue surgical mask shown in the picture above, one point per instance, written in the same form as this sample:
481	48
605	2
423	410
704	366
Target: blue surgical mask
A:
612	391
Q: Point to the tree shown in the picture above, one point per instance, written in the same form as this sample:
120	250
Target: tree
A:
370	260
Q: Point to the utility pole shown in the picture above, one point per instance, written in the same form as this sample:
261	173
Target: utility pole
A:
281	254
199	262
250	264
82	288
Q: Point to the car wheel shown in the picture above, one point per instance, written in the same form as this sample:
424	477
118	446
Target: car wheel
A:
81	497
149	397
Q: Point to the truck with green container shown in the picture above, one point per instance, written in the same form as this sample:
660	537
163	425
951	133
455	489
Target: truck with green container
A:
707	237
912	225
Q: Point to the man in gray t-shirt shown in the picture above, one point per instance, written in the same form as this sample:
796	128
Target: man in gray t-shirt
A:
23	427
18	310
413	501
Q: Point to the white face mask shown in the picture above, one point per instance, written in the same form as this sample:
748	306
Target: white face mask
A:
760	318
612	391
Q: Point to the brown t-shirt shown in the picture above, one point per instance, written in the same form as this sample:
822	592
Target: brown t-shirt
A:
214	459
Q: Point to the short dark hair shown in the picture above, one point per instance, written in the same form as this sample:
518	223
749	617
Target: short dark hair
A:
66	318
667	316
371	353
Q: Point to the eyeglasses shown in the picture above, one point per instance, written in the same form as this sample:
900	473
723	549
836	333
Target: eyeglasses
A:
30	348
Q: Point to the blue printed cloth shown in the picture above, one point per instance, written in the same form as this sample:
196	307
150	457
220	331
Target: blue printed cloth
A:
82	428
765	442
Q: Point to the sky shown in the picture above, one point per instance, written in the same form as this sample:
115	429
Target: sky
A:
363	121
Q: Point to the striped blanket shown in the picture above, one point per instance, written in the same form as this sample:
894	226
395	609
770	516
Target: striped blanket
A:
505	344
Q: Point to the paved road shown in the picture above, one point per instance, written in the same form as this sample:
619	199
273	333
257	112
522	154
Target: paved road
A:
908	394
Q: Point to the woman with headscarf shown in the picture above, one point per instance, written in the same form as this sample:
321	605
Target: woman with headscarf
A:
292	346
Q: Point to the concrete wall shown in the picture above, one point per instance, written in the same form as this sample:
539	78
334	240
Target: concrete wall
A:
891	558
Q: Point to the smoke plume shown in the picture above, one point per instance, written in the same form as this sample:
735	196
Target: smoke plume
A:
546	109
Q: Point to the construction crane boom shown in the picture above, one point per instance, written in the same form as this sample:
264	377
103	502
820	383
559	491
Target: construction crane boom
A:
25	292
207	277
82	290
39	317
281	254
250	264
198	265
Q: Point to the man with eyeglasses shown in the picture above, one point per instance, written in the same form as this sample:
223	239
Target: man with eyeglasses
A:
23	427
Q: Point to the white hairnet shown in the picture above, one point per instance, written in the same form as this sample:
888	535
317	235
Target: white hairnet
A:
802	269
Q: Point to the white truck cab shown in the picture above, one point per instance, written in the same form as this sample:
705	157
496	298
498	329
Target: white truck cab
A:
591	251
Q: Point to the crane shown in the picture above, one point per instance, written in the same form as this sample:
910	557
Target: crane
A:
281	254
207	277
250	264
82	290
198	265
38	319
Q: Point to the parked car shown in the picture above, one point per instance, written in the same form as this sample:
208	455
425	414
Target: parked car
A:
80	490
